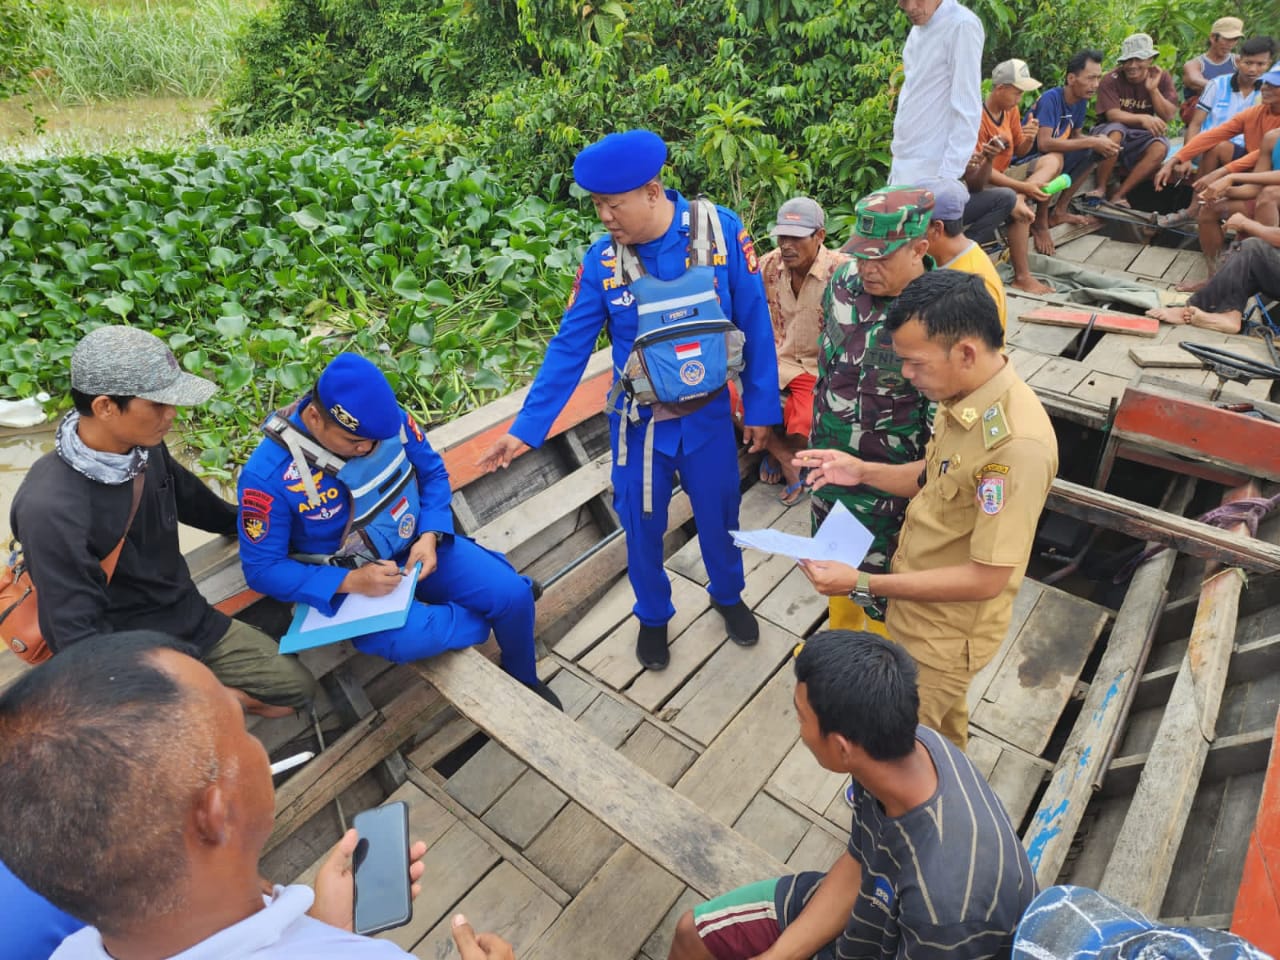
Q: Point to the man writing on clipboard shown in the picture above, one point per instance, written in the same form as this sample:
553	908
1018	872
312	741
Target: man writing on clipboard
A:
345	495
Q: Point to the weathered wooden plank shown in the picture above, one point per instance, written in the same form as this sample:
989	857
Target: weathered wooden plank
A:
772	825
1115	254
1080	249
760	508
484	778
1048	839
1025	362
1015	779
1147	523
817	850
1049	341
1166	355
1103	321
689	651
597	622
1024	601
793	604
538	512
1143	856
673	830
505	902
1030	689
1231	755
1181	265
1153	261
800	776
1059	376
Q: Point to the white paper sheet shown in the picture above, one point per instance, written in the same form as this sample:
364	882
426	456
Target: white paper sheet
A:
841	538
357	606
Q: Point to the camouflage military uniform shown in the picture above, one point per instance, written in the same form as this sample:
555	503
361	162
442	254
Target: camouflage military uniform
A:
861	402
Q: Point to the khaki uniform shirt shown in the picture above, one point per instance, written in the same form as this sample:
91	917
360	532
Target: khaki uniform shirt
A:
987	473
797	319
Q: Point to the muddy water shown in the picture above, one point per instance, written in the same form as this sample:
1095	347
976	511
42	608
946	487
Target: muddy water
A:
119	126
20	449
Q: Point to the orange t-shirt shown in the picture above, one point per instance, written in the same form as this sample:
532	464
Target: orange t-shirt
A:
1009	129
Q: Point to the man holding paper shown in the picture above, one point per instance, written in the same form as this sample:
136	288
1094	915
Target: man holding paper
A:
345	495
976	496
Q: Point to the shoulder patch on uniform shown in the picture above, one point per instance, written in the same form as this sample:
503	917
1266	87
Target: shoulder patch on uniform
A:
414	428
258	500
573	294
748	248
254	524
992	468
990	495
995	426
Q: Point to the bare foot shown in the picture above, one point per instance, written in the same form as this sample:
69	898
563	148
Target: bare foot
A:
1174	315
1043	240
1226	322
1191	286
1118	201
1098	192
1073	218
1030	284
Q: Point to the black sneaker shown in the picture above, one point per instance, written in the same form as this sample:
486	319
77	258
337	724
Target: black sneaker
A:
549	695
740	622
651	647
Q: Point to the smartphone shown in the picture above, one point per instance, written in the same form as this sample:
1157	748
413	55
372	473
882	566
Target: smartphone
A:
382	899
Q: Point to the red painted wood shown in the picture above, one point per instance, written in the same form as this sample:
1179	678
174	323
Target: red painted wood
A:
1201	430
1257	911
1107	322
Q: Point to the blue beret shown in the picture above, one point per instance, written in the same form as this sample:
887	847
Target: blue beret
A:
355	395
620	162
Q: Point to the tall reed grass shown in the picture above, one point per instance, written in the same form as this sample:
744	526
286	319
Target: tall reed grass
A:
105	51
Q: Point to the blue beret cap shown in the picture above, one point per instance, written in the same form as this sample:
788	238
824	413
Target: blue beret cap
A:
620	162
355	394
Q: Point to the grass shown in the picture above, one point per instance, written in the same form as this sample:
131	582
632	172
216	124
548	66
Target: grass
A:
111	49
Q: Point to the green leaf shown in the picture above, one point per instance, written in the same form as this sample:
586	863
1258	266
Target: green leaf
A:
232	327
120	304
405	286
310	218
437	291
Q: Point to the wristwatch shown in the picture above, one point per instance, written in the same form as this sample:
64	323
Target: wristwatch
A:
861	593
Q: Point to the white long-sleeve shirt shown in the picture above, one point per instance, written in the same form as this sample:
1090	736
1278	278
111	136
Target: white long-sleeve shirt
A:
935	130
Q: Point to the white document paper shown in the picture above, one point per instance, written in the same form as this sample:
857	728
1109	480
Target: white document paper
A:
841	538
358	606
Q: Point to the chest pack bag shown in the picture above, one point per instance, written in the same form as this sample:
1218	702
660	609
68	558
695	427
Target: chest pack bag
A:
685	350
19	615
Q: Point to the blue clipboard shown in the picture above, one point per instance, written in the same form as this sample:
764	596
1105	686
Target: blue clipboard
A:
356	616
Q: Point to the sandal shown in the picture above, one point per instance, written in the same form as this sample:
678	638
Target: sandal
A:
770	470
793	494
1167	221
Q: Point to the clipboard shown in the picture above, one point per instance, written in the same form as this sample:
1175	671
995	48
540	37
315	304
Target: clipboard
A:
356	616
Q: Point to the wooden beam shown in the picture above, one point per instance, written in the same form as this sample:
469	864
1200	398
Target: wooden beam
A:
530	517
1143	854
1187	536
668	828
1250	661
1053	828
1104	321
1228	756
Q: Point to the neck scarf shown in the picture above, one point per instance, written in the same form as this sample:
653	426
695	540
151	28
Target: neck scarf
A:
97	465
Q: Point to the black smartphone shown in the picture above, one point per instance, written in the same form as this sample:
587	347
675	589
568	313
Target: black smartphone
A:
382	898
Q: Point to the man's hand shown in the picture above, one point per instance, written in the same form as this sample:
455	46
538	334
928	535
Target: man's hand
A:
755	438
375	579
1105	147
831	466
993	148
335	882
1029	131
1152	81
1033	191
1239	223
1161	179
502	453
486	946
1022	213
829	578
1153	124
1214	188
423	551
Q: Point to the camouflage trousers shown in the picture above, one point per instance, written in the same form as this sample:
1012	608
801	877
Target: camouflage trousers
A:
879	513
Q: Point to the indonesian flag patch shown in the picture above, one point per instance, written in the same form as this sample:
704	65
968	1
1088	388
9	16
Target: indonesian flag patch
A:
687	351
400	509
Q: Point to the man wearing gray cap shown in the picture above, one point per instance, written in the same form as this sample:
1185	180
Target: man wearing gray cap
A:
795	276
1136	101
110	476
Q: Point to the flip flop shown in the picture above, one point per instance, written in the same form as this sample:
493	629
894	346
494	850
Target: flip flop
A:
1166	221
793	494
770	470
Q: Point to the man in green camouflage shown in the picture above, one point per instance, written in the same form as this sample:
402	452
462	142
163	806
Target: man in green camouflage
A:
861	402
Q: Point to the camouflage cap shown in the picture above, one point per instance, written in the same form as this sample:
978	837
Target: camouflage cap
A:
887	218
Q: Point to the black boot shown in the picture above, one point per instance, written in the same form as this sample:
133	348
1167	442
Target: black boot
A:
651	647
549	695
740	622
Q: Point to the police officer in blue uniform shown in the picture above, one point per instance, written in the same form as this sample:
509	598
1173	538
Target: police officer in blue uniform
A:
648	223
343	494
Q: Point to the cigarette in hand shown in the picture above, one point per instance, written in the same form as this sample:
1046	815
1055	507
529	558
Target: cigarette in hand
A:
288	763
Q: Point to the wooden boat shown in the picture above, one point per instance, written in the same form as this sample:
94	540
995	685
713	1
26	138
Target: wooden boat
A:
1128	727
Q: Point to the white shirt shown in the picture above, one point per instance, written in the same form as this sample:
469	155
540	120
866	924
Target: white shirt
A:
282	930
935	130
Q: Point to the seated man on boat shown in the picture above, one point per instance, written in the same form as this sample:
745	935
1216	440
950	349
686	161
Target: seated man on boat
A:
1254	123
951	249
1060	114
795	275
933	869
1223	98
862	402
1136	101
111	476
345	495
677	286
152	808
975	495
997	199
1217	61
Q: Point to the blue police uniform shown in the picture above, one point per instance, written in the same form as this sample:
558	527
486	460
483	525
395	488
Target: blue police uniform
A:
700	446
33	927
471	590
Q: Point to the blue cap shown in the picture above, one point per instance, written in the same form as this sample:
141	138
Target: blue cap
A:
620	162
1272	76
949	197
356	396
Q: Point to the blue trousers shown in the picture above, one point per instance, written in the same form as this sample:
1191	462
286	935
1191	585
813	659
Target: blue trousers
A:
709	475
471	591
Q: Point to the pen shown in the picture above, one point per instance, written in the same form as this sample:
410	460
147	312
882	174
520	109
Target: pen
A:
368	559
288	763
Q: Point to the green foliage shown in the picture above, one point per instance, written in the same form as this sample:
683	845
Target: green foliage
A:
256	265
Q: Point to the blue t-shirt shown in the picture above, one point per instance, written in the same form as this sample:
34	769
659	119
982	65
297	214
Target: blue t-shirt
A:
1055	114
33	927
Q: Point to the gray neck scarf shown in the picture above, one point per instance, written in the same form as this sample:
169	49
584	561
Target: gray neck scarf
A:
97	465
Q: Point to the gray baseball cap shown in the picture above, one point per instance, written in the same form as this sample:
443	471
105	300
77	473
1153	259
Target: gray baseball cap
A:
128	362
799	217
